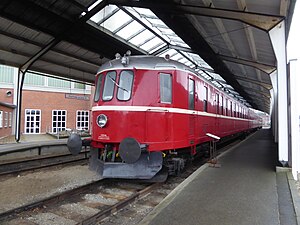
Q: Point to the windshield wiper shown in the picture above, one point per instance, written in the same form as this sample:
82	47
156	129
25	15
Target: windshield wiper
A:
117	84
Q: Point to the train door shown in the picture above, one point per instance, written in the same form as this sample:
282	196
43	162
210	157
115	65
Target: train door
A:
191	107
158	118
217	112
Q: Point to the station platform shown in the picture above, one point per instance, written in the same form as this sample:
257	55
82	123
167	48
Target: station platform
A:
32	145
245	190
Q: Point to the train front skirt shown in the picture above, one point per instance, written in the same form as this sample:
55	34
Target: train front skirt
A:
146	167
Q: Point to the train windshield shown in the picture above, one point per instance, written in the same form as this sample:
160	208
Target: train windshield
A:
125	85
109	85
98	86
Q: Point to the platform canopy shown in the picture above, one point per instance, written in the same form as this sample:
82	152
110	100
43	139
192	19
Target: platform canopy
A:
225	41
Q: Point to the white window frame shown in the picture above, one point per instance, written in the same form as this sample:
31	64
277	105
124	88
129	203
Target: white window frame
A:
10	119
82	119
5	119
1	119
34	124
59	120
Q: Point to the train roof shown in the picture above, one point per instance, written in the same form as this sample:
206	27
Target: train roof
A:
145	62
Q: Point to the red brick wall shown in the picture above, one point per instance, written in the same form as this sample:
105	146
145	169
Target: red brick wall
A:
5	131
4	97
48	101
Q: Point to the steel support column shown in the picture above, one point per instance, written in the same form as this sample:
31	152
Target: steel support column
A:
295	117
278	39
21	76
274	106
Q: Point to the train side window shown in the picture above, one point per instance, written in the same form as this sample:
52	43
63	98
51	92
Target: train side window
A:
165	88
191	94
125	85
221	105
226	107
234	110
217	103
230	109
109	85
98	88
205	97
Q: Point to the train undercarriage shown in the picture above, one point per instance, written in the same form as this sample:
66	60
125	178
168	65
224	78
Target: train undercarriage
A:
134	161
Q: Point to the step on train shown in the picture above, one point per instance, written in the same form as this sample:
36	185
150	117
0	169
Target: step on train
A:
150	114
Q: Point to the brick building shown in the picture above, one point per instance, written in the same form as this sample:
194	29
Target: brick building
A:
49	104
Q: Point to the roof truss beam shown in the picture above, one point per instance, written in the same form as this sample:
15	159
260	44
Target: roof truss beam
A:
260	83
261	66
262	21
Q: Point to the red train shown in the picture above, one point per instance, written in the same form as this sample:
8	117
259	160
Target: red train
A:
151	113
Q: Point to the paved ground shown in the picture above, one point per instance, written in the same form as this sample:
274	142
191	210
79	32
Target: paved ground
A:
242	192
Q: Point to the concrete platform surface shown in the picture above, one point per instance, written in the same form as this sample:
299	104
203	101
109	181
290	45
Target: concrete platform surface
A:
246	190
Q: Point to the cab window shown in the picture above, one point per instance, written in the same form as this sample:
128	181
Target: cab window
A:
165	88
98	87
125	85
109	85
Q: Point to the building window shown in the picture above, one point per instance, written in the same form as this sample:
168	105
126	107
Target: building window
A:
5	119
1	119
82	120
79	85
59	120
165	88
10	119
7	74
34	79
191	94
125	85
32	121
109	85
58	83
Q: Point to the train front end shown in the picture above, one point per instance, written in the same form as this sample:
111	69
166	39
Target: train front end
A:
119	147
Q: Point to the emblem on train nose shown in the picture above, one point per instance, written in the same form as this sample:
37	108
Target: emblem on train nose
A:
101	120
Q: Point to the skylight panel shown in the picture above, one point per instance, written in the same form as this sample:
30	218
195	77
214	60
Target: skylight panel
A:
130	30
140	38
104	14
170	52
116	21
154	42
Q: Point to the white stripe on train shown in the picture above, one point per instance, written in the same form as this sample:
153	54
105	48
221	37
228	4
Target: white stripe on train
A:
160	110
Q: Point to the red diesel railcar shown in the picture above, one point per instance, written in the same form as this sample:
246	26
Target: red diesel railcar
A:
150	111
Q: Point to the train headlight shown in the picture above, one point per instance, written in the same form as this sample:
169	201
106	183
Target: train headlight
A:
101	120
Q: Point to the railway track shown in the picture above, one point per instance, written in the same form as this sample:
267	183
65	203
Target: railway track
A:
19	166
84	205
104	202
